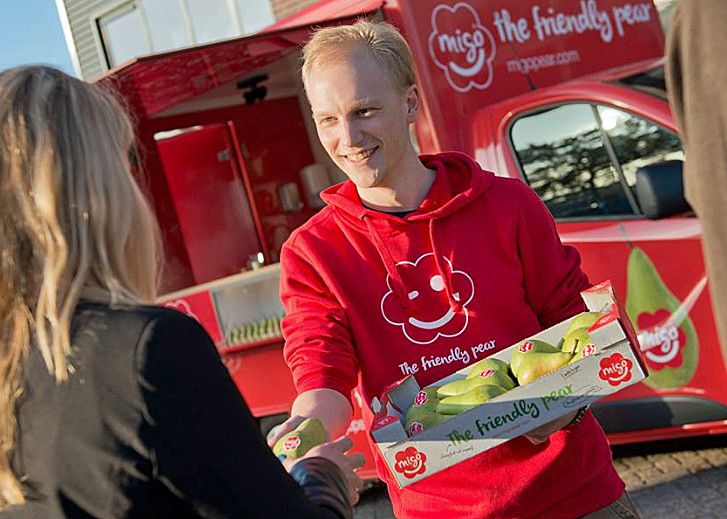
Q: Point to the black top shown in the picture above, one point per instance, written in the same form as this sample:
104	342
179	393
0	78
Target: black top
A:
150	424
399	214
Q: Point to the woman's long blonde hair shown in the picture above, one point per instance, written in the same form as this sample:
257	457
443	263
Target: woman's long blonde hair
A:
73	219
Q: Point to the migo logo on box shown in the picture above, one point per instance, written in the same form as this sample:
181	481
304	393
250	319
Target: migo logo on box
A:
462	47
615	369
410	462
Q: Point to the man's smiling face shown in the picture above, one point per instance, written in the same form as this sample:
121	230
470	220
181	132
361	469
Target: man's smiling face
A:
361	116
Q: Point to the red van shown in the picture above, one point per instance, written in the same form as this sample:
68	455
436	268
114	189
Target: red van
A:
568	96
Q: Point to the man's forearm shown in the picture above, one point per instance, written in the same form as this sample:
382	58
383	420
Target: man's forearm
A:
329	406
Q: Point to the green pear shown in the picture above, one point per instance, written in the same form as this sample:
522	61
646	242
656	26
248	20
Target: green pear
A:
419	419
297	442
575	340
579	343
488	363
427	398
498	378
646	296
523	347
535	364
457	404
464	385
457	387
584	320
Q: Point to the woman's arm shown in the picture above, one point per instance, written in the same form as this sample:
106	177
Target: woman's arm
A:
207	448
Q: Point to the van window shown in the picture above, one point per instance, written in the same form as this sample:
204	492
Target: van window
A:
564	159
638	142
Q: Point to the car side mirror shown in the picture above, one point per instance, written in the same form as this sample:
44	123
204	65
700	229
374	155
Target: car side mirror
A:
660	189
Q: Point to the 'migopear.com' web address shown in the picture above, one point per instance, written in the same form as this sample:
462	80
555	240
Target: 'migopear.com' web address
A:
533	63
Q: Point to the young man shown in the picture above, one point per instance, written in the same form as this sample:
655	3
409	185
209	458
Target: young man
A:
414	256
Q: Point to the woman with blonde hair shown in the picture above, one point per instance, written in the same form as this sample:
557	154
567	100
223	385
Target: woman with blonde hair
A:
110	407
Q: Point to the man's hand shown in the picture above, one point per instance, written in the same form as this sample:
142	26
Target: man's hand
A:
543	432
329	406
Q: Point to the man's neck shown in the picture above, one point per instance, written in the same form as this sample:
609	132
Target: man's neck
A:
408	188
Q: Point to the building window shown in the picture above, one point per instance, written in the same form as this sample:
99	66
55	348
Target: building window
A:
212	20
254	15
166	24
123	34
141	27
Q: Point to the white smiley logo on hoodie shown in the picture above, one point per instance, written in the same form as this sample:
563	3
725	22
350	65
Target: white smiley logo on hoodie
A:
428	299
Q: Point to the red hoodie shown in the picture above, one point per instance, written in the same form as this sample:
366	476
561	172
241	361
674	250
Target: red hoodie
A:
371	297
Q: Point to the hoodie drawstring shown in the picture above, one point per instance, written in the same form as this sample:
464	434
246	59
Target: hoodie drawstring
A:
397	283
445	273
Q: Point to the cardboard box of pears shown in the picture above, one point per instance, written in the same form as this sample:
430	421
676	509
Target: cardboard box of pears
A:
421	431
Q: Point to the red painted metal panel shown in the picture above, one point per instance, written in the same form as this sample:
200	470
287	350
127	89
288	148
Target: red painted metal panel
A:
473	54
213	210
177	272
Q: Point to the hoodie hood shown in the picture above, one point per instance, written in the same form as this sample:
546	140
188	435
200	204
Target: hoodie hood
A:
459	181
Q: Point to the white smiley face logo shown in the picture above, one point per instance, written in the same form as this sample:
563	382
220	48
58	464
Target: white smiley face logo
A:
436	283
431	314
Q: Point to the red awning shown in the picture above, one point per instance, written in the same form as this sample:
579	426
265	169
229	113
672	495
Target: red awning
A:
327	10
151	84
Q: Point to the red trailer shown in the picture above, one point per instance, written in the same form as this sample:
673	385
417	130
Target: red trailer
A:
567	96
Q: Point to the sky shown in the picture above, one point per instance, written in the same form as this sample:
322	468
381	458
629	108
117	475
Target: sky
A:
30	32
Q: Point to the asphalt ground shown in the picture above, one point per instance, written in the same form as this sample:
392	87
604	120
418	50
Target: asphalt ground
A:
675	479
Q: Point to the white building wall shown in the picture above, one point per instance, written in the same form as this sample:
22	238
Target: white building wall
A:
79	19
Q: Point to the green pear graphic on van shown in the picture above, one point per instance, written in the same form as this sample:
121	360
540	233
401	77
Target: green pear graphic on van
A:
667	336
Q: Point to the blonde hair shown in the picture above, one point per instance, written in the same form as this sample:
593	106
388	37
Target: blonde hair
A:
385	44
73	219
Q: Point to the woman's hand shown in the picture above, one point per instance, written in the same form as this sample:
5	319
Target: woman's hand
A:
335	451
